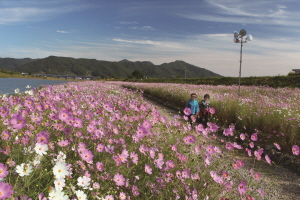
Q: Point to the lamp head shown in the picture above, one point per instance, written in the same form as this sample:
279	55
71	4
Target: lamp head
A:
249	37
235	34
243	32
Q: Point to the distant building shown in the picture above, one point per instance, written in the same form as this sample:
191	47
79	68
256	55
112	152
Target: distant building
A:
297	71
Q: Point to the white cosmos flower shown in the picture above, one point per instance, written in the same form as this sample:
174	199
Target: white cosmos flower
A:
41	148
60	170
61	157
83	181
58	195
28	86
17	91
59	184
23	169
81	195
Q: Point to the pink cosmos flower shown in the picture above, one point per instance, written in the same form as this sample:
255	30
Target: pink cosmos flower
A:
249	197
210	149
5	135
261	192
251	144
229	146
5	190
268	159
277	146
148	169
109	197
64	115
134	157
295	150
256	176
4	112
242	188
3	170
186	173
119	179
147	124
122	196
143	149
100	147
173	147
63	143
18	121
100	166
86	155
242	136
96	185
189	139
254	137
135	190
78	123
42	137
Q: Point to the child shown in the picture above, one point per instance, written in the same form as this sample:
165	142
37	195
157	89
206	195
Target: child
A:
204	110
192	104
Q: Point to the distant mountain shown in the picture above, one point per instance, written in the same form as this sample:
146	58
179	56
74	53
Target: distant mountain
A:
92	67
12	64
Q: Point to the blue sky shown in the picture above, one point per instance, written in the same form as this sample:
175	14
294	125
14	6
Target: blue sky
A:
199	32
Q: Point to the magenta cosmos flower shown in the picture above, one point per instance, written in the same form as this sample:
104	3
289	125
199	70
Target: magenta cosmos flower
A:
187	111
5	190
295	150
18	121
212	110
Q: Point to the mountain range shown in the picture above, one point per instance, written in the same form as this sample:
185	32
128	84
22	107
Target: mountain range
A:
91	67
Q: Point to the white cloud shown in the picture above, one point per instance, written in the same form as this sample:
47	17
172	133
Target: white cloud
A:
250	12
143	28
24	11
128	23
58	31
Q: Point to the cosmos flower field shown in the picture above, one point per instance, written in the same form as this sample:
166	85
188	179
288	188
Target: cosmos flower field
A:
98	140
272	113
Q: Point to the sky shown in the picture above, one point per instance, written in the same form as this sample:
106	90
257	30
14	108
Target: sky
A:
199	32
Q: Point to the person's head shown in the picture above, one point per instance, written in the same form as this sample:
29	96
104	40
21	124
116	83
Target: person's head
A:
206	97
193	96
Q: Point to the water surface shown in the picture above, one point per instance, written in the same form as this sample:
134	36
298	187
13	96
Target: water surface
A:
8	85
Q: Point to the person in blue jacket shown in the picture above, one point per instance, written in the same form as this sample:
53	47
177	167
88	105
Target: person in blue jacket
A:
192	104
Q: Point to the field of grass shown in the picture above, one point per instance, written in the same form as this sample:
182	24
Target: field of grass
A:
98	140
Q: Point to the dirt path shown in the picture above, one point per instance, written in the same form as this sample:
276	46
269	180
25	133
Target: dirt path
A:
278	183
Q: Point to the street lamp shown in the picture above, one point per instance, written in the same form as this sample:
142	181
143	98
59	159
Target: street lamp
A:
239	38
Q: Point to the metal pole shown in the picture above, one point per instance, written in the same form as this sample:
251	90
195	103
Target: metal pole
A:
240	64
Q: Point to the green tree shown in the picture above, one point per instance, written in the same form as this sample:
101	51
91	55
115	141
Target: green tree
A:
137	74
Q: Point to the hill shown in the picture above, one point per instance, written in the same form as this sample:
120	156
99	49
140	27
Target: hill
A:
12	64
92	67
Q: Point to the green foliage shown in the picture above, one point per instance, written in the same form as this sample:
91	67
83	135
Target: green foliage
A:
137	74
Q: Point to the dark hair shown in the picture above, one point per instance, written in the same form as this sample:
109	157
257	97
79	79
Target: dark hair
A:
193	94
206	96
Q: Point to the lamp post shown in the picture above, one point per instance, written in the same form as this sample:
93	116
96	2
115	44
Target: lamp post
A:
239	38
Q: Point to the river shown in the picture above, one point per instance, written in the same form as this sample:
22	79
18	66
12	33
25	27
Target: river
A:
8	85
